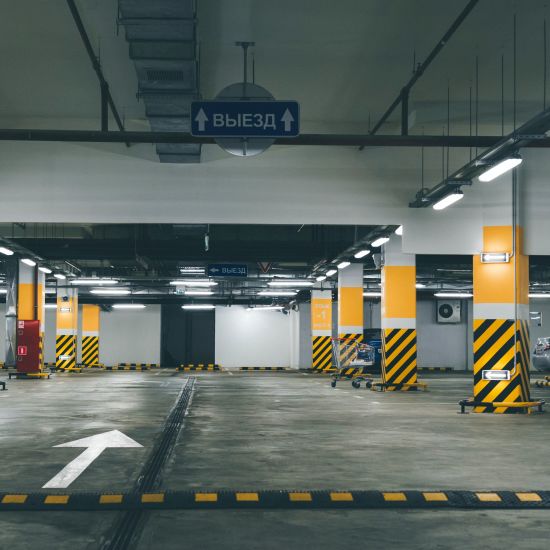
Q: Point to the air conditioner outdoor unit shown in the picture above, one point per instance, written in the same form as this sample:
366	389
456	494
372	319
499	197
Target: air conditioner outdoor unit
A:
448	311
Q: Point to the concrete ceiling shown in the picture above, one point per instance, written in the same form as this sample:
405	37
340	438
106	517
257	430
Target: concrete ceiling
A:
344	61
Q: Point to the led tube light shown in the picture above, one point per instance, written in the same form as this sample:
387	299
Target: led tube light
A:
501	168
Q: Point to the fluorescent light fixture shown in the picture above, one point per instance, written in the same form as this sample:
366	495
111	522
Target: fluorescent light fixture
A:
453	294
361	254
265	308
448	200
277	293
331	272
193	283
129	306
500	168
290	283
539	295
372	294
495	257
3	291
50	290
198	293
50	306
343	265
110	291
28	261
399	230
321	278
59	276
420	285
192	269
92	282
6	251
380	241
46	270
198	306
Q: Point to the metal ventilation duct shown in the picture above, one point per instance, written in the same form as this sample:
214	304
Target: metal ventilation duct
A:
163	45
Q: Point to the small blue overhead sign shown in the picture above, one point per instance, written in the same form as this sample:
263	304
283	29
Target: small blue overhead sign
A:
269	119
228	270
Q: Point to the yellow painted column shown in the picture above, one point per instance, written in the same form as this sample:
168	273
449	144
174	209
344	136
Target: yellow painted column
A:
399	366
321	329
90	335
31	293
501	323
350	309
66	329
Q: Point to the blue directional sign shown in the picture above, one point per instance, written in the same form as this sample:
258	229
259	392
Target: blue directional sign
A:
267	119
228	270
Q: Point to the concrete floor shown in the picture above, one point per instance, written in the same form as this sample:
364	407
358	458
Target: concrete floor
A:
262	431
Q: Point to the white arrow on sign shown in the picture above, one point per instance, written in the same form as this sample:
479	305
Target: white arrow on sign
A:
288	119
95	445
202	119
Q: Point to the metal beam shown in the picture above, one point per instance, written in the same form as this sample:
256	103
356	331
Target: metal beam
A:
418	72
96	136
106	97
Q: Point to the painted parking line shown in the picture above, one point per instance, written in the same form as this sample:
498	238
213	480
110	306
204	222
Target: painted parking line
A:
276	499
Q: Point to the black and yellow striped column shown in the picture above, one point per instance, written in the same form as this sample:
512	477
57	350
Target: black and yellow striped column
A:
31	294
90	335
399	366
501	323
66	329
350	309
321	330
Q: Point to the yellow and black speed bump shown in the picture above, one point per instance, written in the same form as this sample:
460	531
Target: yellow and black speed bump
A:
212	499
542	383
142	366
126	367
200	367
264	368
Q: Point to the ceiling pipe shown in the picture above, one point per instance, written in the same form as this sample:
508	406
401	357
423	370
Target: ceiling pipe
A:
106	97
404	93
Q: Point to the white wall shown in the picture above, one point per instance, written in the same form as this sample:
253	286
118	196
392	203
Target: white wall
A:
252	338
130	336
443	345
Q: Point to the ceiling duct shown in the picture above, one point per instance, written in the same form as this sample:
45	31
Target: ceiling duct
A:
162	36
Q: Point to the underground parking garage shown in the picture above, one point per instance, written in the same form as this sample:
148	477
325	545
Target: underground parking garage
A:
274	274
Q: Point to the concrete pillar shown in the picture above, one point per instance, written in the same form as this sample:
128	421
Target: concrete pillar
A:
11	266
350	309
501	322
321	330
66	328
399	366
90	335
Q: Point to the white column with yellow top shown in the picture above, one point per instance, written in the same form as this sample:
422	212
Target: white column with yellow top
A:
66	328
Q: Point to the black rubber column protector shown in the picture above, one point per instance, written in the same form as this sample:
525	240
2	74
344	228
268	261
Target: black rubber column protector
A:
127	528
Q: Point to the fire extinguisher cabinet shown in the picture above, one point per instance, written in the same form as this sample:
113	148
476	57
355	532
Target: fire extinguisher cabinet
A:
28	346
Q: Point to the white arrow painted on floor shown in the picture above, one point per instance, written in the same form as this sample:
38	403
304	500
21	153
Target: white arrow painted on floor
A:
201	118
95	445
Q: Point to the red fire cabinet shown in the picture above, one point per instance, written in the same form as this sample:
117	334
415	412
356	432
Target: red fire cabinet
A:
28	346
